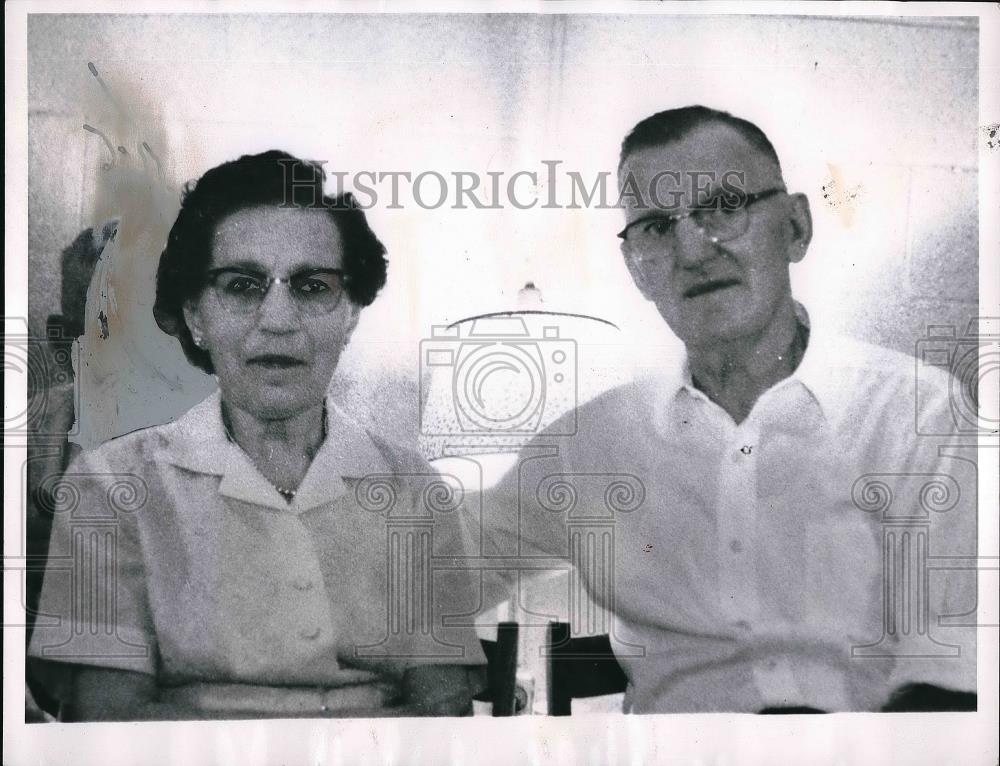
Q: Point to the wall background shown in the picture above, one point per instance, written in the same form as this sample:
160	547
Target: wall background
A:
878	114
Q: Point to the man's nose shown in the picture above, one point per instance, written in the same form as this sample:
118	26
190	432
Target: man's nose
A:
693	246
278	312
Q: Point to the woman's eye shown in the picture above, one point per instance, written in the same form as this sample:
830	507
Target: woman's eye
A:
312	286
242	285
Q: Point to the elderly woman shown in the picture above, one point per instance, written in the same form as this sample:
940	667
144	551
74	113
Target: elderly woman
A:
247	560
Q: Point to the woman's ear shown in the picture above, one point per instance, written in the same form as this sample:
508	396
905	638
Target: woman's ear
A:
192	317
352	320
801	220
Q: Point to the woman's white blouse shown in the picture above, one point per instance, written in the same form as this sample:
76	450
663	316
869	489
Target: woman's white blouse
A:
172	555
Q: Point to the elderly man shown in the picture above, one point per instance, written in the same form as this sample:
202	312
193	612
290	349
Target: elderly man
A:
738	534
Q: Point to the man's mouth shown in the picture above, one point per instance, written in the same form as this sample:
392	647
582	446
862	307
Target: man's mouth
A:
275	361
703	288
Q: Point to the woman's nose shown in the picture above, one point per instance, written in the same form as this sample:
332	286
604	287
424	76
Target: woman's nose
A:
278	311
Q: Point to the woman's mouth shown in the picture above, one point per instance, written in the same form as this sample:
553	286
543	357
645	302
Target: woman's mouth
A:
275	361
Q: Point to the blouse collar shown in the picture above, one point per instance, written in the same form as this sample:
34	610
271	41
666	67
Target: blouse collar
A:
198	442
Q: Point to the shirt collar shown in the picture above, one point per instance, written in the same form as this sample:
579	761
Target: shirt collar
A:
817	372
198	442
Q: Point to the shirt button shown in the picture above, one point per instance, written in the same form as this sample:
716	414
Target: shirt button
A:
309	634
302	584
736	546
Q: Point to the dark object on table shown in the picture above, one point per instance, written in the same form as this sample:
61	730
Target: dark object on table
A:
927	698
580	667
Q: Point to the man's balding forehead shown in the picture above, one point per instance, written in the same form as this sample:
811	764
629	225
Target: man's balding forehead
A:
714	151
711	161
674	124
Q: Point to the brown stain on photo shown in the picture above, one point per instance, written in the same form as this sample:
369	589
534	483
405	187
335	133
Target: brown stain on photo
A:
124	357
992	133
840	197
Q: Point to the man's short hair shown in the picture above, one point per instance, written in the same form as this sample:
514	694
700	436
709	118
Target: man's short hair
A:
675	124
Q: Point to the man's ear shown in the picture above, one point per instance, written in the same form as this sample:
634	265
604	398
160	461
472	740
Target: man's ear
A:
802	228
631	263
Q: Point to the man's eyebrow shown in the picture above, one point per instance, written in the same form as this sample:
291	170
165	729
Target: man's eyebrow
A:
659	216
712	196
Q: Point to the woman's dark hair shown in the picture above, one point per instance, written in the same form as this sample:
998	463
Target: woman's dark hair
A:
272	178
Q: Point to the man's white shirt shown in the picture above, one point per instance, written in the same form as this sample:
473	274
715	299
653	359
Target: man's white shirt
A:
808	556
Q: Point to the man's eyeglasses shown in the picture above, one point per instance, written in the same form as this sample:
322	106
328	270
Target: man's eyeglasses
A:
722	220
314	291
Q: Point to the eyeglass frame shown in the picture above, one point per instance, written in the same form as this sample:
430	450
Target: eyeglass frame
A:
213	274
746	200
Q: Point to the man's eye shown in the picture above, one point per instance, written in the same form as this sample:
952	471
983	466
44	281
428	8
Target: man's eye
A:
658	227
730	202
726	212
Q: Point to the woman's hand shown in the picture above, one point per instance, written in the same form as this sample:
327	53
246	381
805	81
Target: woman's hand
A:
105	694
427	690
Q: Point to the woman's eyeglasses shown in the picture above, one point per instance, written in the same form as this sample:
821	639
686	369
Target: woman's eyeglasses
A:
314	291
723	220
